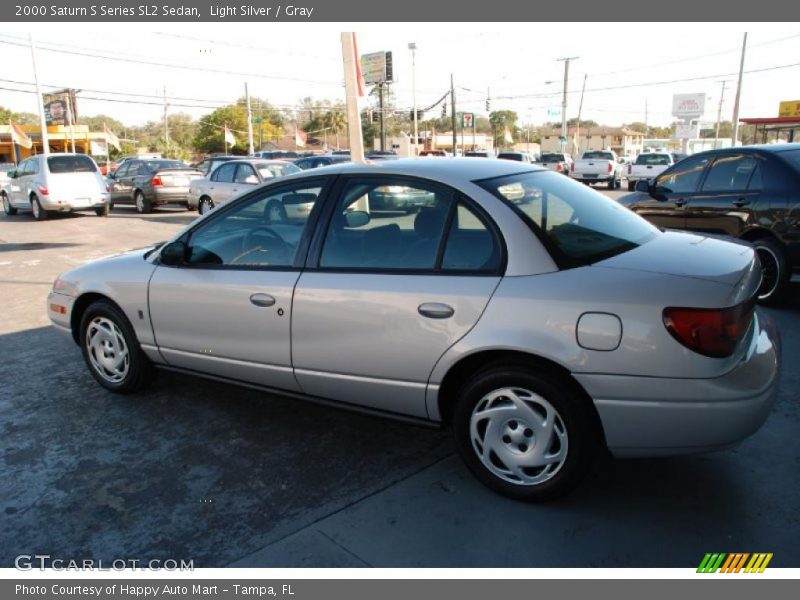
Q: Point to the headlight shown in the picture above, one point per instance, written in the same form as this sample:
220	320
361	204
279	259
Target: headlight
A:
67	288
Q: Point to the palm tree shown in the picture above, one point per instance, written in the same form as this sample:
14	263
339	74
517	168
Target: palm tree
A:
336	122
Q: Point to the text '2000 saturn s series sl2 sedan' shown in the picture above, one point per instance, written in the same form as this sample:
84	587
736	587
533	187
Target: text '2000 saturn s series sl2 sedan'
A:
539	320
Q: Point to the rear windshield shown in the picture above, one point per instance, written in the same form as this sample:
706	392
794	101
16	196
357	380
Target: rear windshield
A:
552	157
653	159
157	165
71	164
599	155
510	156
578	225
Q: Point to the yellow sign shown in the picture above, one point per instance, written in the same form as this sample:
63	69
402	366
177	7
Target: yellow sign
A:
789	108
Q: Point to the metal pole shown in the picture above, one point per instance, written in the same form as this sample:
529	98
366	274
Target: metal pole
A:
356	140
580	110
453	113
413	47
719	112
380	105
564	102
250	149
738	93
166	122
69	117
40	100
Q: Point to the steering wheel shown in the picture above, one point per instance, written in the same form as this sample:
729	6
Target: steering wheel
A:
250	245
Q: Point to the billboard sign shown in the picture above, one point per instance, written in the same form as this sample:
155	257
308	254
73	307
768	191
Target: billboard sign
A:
686	131
373	67
688	105
789	108
60	108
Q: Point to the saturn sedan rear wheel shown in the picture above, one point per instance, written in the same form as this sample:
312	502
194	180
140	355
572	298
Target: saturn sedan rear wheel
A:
111	349
524	433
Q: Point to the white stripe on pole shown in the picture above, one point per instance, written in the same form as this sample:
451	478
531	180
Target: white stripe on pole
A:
39	100
351	99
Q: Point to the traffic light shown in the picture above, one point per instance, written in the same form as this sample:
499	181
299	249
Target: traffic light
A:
411	115
375	117
488	105
444	108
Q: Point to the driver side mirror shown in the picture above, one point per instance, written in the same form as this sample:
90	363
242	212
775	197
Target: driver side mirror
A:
251	180
175	253
356	218
12	174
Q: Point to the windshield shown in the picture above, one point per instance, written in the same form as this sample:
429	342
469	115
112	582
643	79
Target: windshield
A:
71	164
268	170
577	224
653	159
599	155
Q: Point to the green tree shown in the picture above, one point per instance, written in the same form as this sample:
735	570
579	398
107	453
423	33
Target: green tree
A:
499	120
209	136
335	122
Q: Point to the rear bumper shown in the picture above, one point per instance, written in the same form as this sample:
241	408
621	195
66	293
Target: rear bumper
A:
652	416
65	204
166	195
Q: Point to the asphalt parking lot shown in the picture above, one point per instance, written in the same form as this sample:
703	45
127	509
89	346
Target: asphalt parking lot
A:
192	469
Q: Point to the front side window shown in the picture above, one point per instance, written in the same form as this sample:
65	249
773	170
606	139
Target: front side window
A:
684	177
578	225
263	231
730	174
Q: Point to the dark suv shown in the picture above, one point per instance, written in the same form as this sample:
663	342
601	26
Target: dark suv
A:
750	192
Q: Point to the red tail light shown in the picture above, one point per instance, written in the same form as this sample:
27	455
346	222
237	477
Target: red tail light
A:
108	188
43	190
710	332
559	167
630	169
610	168
156	181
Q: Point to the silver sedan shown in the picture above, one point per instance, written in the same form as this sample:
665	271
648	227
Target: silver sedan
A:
539	320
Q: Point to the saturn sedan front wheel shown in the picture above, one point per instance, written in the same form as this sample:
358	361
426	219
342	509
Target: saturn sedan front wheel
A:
111	349
523	433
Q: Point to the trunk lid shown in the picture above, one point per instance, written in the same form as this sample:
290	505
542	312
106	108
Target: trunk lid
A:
178	177
75	185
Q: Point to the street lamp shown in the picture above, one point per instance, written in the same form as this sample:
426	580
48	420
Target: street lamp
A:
413	47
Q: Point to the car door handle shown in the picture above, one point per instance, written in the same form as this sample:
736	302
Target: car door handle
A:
436	310
263	300
680	202
739	202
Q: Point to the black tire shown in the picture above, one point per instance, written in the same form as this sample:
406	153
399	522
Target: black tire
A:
142	203
631	186
39	213
574	413
110	205
775	269
612	183
102	211
139	369
7	208
204	205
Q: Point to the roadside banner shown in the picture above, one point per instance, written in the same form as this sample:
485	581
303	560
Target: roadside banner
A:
111	137
18	136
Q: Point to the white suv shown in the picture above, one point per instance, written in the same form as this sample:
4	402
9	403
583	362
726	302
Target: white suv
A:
56	183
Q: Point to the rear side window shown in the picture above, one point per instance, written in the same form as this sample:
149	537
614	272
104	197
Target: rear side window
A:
684	177
730	174
470	244
578	225
71	164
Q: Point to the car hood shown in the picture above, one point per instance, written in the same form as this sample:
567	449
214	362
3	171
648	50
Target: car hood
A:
690	255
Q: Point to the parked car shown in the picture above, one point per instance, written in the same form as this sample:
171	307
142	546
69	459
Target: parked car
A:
647	166
517	156
556	161
46	184
150	183
480	154
323	160
234	177
276	154
678	156
117	163
751	193
598	166
434	153
212	162
540	333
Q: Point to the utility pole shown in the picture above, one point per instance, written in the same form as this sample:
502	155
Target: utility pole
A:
166	122
413	47
566	62
70	119
352	92
250	149
39	100
580	110
719	110
453	112
380	106
738	93
646	128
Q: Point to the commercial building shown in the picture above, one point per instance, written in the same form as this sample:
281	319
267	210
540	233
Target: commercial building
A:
783	128
61	138
623	141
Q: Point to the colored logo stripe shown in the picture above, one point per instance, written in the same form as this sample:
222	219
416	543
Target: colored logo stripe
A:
734	563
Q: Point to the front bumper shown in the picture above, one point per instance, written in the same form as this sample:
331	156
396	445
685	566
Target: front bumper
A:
59	309
653	416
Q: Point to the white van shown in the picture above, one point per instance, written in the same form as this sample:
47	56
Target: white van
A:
56	183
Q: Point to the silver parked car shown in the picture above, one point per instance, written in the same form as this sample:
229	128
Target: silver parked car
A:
55	183
234	177
538	319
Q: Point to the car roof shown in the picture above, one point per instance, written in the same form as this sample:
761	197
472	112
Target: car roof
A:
772	148
446	170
